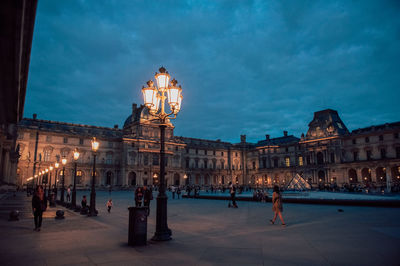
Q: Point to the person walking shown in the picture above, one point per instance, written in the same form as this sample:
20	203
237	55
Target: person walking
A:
178	192
148	196
69	194
232	191
173	190
39	205
138	197
277	205
109	205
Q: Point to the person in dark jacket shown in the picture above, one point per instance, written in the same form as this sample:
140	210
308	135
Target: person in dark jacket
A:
84	202
39	205
232	191
148	196
138	197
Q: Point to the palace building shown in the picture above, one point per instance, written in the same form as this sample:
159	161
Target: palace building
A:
329	153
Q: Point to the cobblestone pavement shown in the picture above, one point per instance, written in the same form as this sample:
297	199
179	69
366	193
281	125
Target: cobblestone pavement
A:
205	232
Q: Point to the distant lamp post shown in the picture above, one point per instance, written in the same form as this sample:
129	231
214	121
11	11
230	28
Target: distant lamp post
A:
76	157
56	165
64	162
153	97
92	211
46	178
49	191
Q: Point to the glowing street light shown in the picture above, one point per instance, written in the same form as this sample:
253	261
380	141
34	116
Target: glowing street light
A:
154	99
64	162
92	211
76	157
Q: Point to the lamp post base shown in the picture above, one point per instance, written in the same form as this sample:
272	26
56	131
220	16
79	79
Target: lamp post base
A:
163	233
93	213
162	236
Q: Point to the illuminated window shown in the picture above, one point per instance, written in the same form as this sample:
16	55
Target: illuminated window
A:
46	155
287	161
301	160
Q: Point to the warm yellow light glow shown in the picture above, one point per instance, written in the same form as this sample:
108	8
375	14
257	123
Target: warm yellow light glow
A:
162	79
51	168
76	154
184	176
149	95
36	176
56	165
64	161
40	173
43	172
95	144
155	104
173	93
47	170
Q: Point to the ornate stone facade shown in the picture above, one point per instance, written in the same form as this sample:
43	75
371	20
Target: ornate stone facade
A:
327	154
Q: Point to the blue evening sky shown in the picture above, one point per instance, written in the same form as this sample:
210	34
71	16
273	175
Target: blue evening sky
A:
246	67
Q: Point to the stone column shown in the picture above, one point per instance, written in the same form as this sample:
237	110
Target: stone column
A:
373	175
359	175
388	179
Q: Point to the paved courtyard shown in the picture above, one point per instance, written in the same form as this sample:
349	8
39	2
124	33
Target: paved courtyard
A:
205	232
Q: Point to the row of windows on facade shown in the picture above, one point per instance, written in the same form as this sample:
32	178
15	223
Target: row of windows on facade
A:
197	151
369	154
65	139
64	154
381	138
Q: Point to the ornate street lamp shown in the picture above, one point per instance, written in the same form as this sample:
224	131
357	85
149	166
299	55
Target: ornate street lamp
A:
49	191
153	97
92	211
76	157
56	165
46	177
64	162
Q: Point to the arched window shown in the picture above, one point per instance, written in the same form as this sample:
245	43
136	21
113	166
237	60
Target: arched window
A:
353	175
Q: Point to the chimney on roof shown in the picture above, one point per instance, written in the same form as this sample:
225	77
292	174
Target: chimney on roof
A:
116	126
267	137
34	116
242	138
285	133
134	107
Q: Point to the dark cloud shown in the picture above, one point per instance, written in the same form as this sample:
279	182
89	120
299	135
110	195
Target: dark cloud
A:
246	67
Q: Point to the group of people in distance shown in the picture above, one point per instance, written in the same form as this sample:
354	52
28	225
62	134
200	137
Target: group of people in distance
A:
143	196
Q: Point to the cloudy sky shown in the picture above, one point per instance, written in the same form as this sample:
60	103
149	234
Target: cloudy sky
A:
246	67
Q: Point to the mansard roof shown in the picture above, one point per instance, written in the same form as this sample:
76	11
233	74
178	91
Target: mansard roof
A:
375	128
326	123
285	140
69	128
204	143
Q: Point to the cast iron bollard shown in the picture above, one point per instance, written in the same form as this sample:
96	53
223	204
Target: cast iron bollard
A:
137	226
14	215
84	211
59	215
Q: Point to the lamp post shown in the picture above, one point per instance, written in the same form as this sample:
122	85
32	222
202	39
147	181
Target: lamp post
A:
56	165
76	157
92	211
46	176
64	162
153	96
49	192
